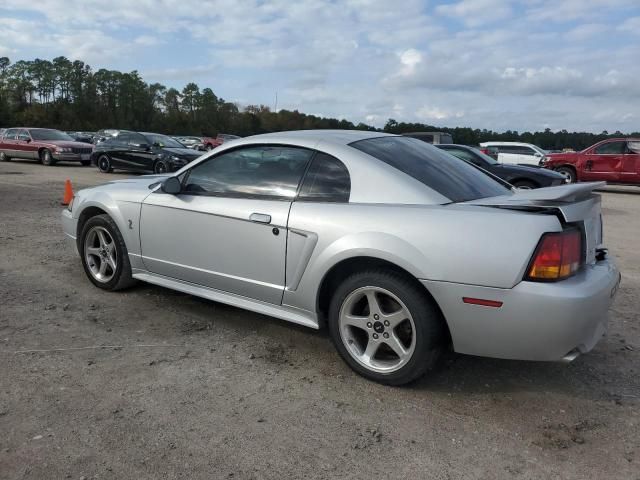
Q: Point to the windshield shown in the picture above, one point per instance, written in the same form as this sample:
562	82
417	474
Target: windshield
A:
447	175
162	140
47	134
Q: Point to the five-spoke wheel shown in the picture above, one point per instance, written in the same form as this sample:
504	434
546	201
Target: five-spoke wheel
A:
100	254
104	254
385	326
377	329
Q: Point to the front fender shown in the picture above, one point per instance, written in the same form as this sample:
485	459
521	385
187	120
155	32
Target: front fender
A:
125	214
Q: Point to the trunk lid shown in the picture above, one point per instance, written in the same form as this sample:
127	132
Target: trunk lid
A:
574	204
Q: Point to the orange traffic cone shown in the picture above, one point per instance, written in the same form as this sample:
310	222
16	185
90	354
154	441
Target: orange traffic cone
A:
68	193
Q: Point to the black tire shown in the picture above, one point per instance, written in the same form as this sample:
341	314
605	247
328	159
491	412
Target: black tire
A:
209	147
85	163
4	157
122	276
46	158
430	327
568	172
525	184
104	164
160	167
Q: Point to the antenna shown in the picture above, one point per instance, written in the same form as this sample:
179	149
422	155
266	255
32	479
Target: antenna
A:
275	106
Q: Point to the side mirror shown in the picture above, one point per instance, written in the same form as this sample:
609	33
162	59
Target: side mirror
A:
537	154
171	185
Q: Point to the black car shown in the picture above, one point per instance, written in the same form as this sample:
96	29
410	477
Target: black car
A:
84	137
520	176
141	152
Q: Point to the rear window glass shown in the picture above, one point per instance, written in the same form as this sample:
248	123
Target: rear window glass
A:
456	180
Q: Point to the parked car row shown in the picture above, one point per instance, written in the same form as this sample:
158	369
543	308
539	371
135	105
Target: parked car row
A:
108	149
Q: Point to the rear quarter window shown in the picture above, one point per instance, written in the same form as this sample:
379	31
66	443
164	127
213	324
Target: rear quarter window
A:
447	175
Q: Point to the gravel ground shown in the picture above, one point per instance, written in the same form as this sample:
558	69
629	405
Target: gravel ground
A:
151	383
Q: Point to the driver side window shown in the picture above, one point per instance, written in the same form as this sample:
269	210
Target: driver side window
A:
268	171
23	135
615	148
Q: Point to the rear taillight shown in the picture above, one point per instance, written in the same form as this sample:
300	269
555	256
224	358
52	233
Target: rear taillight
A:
558	256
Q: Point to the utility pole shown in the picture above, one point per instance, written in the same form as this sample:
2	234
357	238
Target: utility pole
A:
275	106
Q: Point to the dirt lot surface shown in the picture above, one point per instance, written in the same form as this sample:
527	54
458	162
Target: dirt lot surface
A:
187	388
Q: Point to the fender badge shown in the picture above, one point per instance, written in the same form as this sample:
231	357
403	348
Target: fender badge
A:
130	224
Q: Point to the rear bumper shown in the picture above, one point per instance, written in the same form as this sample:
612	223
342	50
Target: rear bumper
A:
537	321
69	227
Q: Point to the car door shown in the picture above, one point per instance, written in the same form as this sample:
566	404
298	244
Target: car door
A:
117	148
630	172
23	145
508	154
139	152
227	229
604	161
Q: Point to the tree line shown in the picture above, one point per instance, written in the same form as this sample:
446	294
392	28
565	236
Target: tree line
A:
70	95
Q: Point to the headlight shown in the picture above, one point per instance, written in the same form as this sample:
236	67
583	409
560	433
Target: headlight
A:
64	150
176	159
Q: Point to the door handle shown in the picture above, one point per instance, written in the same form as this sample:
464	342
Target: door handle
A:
260	218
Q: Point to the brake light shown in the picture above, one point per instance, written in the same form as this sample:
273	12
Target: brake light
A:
558	256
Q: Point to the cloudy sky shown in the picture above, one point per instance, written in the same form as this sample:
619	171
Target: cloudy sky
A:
500	64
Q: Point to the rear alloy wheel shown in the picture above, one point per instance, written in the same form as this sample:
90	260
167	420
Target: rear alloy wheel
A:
104	164
568	173
46	158
160	167
385	327
525	185
104	254
4	157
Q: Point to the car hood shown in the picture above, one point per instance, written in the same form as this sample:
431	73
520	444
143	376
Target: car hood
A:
562	156
526	170
182	152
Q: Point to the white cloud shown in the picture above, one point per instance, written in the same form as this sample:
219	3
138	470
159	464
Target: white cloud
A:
482	63
477	12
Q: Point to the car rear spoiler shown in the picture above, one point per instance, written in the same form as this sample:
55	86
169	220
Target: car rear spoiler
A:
574	202
552	196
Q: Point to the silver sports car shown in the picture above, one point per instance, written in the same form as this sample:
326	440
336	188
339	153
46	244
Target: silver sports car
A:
397	247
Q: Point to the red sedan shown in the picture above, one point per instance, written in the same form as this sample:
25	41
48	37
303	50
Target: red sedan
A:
44	144
615	160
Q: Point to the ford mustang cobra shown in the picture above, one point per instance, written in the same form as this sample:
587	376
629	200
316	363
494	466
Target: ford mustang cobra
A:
397	247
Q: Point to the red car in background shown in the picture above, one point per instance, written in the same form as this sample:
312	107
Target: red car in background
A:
211	143
46	145
615	160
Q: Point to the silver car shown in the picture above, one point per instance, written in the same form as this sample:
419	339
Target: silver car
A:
396	247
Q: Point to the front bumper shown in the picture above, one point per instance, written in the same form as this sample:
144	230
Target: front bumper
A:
537	321
69	227
72	157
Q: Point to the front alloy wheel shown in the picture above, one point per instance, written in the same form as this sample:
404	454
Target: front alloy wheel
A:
104	254
100	253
